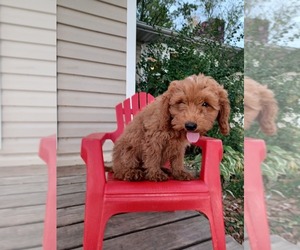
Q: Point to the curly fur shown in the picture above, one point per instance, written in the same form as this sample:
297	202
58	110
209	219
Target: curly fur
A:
260	105
157	134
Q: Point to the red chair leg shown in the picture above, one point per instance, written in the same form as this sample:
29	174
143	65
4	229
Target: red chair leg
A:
92	225
217	230
104	219
217	234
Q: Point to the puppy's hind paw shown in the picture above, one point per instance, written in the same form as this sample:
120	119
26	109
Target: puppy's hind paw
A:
182	176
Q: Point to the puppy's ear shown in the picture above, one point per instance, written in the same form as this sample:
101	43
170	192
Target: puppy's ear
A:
172	87
223	116
268	113
165	104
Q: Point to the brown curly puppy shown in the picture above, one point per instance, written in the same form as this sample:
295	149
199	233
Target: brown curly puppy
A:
163	129
261	105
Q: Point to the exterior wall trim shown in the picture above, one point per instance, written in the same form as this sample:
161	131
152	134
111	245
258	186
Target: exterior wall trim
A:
131	48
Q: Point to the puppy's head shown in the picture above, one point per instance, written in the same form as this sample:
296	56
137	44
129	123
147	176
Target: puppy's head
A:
194	105
260	105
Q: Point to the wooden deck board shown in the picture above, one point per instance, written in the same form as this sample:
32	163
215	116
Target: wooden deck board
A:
19	200
277	243
23	188
69	200
25	170
23	193
22	215
71	188
231	244
67	171
70	215
23	180
71	179
126	223
70	237
169	236
22	236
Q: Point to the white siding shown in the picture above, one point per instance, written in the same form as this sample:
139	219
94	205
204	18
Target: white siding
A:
91	71
28	109
28	78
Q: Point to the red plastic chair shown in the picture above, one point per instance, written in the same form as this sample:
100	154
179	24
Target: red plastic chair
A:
106	197
47	152
254	199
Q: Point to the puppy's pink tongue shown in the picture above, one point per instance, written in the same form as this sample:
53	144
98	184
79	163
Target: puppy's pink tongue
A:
192	137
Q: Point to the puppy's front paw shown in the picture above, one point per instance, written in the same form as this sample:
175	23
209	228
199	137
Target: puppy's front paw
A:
134	175
182	176
156	176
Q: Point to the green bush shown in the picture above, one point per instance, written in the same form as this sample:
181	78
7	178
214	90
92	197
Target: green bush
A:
280	163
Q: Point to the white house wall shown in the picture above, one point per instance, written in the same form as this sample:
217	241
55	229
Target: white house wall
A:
91	71
28	79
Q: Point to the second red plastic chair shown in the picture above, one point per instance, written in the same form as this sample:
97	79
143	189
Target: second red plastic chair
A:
254	198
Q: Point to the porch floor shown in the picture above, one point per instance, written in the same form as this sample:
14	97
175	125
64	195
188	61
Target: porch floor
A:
155	231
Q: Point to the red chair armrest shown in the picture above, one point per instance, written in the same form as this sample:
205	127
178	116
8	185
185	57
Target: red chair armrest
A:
47	150
99	136
95	139
212	153
92	154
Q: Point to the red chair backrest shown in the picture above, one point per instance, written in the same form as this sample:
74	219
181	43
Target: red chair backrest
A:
128	109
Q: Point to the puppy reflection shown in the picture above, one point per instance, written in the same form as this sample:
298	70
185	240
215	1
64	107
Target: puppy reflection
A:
261	105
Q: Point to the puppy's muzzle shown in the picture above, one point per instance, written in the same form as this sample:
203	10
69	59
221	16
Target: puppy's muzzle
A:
190	126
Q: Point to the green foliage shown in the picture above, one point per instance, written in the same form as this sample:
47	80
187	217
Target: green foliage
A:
277	67
264	61
158	12
280	163
232	163
232	170
155	12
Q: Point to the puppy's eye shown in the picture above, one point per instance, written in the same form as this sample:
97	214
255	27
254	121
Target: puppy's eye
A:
180	102
205	104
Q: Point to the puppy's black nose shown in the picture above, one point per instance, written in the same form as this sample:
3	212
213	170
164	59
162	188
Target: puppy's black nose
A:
190	126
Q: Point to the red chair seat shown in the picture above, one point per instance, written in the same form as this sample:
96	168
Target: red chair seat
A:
115	187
